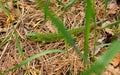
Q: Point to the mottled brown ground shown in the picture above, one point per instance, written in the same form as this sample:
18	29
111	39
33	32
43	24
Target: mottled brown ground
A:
30	19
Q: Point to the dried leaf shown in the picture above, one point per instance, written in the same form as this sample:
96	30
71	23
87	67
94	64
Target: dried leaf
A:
115	62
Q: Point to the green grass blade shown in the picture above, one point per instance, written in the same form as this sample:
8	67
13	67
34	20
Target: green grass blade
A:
100	64
5	10
5	40
69	4
106	3
18	43
88	14
105	8
63	31
94	21
61	28
45	9
44	52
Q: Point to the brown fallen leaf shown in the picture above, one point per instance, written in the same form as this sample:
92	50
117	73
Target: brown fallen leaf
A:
115	62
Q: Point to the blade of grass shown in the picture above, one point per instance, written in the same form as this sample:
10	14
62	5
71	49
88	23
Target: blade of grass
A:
88	15
99	65
18	43
5	40
5	10
45	9
44	52
106	3
95	24
9	15
61	29
69	4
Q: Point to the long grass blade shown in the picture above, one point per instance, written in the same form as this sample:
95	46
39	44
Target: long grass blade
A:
88	14
5	40
61	29
69	4
18	43
44	52
45	9
100	64
106	3
5	10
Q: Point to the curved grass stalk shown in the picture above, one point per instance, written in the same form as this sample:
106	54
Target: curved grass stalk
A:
60	26
44	52
99	65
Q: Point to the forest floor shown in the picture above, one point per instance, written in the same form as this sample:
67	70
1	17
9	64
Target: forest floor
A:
29	18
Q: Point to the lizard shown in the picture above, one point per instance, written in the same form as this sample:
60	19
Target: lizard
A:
52	37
